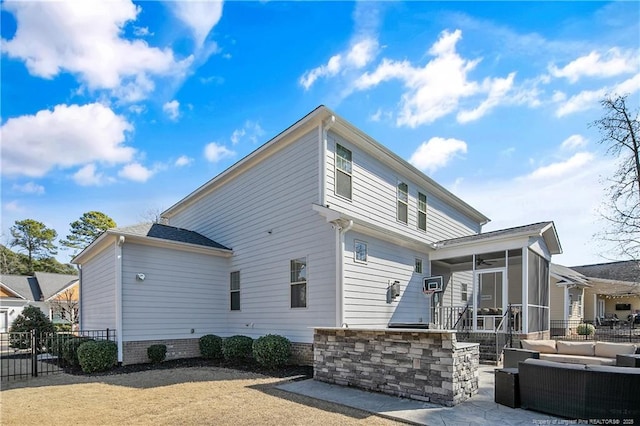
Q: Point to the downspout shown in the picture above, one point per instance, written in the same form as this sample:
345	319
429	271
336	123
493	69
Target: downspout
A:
323	132
119	331
340	232
79	298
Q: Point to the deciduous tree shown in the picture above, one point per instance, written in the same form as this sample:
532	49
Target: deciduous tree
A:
620	132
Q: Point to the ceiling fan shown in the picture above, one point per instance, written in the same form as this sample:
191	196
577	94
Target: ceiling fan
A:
482	262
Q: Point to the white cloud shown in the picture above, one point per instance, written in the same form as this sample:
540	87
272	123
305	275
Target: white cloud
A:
68	136
574	141
183	160
85	39
251	129
568	192
142	31
214	152
613	62
588	99
557	170
29	188
87	176
172	109
436	153
135	172
200	16
435	90
13	206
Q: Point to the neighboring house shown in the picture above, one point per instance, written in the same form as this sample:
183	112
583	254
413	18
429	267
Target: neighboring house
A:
320	227
44	290
594	292
614	289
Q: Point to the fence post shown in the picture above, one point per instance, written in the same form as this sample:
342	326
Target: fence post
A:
34	353
108	334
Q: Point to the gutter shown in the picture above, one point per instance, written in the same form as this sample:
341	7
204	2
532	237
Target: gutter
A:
340	233
324	130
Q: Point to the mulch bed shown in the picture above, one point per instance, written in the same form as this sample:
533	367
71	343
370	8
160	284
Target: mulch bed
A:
297	371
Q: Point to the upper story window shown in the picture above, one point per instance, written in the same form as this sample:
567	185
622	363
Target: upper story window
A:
418	268
234	288
463	292
343	171
422	211
360	251
403	202
299	283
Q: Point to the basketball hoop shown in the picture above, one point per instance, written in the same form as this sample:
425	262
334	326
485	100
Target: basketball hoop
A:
427	292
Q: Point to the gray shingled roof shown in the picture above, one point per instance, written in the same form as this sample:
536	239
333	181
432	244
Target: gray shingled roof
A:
170	233
568	275
51	284
533	228
23	285
617	271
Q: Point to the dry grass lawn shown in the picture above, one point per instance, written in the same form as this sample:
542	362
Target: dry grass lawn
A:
181	396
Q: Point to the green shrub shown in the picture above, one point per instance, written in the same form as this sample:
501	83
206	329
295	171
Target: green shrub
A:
211	346
585	329
31	318
97	356
62	327
70	349
272	350
157	353
56	342
237	348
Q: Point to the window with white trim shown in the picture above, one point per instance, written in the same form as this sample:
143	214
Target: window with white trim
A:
360	251
343	172
234	289
463	292
403	202
418	268
299	283
422	211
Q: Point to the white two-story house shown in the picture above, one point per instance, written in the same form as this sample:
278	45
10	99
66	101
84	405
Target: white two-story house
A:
321	226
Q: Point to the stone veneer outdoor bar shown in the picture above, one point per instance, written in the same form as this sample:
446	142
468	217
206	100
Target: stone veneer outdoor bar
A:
427	365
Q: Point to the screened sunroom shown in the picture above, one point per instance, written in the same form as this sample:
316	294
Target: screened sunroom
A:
495	282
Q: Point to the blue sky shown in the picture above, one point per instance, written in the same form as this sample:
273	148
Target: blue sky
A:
127	107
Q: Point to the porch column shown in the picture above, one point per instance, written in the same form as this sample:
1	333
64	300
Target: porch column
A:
525	290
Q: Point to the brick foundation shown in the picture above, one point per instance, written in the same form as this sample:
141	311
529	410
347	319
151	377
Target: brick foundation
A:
136	352
301	354
426	365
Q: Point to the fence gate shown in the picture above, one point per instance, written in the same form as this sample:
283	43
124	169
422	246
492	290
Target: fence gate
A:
29	354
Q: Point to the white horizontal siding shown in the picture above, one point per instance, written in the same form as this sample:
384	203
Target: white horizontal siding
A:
98	291
365	287
181	291
374	198
265	215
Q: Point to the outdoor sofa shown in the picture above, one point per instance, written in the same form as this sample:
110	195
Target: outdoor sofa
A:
578	391
582	352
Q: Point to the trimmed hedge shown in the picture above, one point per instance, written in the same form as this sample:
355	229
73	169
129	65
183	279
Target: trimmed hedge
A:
211	346
70	349
272	350
585	329
237	348
97	356
157	353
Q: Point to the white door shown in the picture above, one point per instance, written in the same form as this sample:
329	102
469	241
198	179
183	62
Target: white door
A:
3	321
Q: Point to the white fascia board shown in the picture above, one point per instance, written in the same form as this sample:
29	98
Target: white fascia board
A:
10	290
373	230
97	246
176	245
480	246
65	288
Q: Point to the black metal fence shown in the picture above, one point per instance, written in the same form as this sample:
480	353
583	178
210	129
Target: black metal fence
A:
33	353
586	330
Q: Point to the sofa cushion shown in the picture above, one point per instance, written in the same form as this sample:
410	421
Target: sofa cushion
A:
576	348
610	350
613	369
542	346
547	363
578	359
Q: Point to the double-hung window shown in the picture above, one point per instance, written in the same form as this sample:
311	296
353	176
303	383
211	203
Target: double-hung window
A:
403	202
343	172
299	283
234	288
360	251
422	211
418	266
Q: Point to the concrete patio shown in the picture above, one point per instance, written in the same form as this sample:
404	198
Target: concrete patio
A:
479	410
